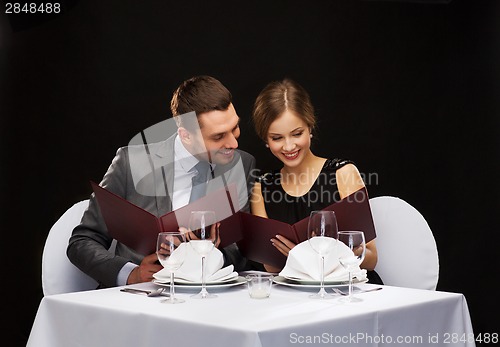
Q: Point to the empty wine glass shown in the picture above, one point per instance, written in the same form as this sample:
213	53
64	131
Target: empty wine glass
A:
322	233
355	240
205	231
171	252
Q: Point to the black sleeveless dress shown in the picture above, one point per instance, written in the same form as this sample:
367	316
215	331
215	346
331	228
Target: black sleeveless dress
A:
290	209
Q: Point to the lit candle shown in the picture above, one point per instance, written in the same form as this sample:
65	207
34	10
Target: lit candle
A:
259	293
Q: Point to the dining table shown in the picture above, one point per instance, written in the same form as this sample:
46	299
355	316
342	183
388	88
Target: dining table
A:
392	316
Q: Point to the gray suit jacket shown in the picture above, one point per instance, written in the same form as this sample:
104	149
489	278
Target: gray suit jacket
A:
131	176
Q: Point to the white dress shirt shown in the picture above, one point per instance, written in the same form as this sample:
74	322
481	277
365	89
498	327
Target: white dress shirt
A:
183	174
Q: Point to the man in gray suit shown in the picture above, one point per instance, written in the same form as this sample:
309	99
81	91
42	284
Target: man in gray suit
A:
158	178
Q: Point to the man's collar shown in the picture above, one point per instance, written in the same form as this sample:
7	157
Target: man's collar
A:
182	156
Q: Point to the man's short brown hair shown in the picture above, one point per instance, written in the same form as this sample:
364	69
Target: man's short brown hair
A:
200	94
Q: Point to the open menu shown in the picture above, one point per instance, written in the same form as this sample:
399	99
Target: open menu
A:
353	213
138	228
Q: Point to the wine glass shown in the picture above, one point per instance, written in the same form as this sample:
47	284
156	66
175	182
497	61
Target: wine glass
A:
171	252
355	240
322	233
202	225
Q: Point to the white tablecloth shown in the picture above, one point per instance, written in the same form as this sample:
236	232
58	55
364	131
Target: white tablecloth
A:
392	316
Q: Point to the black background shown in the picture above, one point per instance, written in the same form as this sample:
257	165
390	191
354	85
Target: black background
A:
409	90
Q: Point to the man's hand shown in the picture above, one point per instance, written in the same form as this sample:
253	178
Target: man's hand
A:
145	271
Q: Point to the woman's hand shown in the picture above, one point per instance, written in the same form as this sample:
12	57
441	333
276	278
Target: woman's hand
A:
282	244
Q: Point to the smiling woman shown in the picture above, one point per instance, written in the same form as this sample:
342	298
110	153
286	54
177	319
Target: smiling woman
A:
284	118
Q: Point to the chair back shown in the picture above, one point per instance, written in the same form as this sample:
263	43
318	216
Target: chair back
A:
59	275
407	251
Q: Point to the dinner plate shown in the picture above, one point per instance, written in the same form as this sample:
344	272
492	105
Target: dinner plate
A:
313	284
225	279
235	282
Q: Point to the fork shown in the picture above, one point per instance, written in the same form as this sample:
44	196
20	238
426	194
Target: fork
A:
149	293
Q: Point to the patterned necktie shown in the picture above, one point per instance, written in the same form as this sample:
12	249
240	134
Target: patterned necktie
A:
199	181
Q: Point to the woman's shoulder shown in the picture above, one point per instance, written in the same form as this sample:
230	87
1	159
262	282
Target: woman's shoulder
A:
336	164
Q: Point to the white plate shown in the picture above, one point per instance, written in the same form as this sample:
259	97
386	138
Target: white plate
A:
225	279
235	282
312	284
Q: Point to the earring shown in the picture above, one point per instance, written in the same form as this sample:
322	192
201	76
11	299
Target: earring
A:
311	136
267	145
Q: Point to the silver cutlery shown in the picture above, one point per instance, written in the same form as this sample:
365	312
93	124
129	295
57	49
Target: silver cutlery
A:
150	293
338	291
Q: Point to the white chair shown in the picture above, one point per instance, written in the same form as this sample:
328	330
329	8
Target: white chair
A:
407	252
59	275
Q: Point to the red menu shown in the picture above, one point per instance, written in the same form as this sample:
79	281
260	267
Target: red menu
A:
353	213
138	229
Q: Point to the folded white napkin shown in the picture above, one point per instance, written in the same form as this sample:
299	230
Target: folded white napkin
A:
303	263
190	271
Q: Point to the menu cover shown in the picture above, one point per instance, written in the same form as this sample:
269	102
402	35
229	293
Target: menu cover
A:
353	213
138	229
